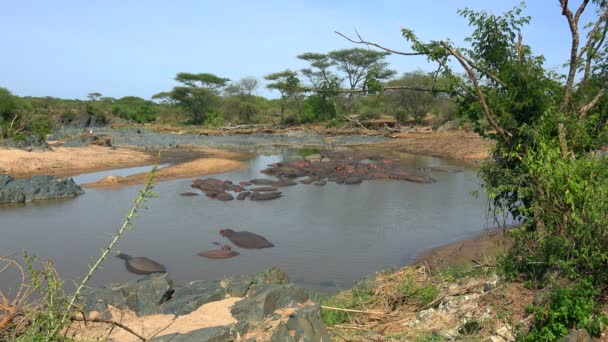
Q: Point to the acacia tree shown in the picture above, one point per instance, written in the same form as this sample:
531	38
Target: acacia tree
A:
287	83
198	95
361	66
543	169
409	102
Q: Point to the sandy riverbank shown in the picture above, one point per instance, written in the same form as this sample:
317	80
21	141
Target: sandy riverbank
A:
70	161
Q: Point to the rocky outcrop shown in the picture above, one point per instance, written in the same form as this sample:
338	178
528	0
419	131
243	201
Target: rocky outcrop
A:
32	142
36	188
272	309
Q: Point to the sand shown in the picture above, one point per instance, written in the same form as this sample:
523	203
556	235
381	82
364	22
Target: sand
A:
209	315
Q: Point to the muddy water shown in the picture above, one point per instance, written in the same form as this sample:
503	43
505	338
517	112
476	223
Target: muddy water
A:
326	237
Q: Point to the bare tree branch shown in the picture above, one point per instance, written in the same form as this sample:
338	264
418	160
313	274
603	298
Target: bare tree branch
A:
488	114
361	41
574	53
586	108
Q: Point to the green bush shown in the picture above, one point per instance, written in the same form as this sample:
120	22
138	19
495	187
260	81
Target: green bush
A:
135	109
575	306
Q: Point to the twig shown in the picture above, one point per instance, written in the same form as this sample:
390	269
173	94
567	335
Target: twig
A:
107	321
353	310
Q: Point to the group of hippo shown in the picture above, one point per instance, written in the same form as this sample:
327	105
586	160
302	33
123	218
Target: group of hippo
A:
242	239
342	167
264	189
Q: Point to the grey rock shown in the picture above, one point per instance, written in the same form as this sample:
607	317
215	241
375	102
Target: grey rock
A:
213	334
281	334
264	300
143	296
580	335
36	188
308	325
191	296
239	285
29	143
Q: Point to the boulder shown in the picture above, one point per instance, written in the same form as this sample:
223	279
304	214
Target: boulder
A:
262	301
36	188
191	296
580	335
143	296
308	325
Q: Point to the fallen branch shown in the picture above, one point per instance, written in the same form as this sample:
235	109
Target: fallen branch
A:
107	321
353	310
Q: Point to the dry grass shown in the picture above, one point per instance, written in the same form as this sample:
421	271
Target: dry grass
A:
12	310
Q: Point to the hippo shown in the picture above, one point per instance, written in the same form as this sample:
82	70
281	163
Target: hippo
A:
242	195
224	252
264	188
245	239
224	196
262	181
264	196
141	265
188	193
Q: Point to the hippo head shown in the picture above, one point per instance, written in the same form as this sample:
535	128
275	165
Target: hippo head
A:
226	248
225	232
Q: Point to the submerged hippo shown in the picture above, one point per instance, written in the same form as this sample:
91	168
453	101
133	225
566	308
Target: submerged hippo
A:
264	196
224	252
245	239
141	265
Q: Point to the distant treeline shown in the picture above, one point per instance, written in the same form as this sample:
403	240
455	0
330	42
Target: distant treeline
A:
340	84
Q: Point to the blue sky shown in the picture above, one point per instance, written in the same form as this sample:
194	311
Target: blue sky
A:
70	48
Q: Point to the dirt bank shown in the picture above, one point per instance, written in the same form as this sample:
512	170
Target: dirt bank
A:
459	145
478	249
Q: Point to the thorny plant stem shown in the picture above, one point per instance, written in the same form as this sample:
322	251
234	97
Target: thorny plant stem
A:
144	194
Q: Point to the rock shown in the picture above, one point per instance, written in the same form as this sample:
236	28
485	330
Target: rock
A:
36	188
490	284
143	296
580	335
450	334
213	334
239	285
424	314
281	334
308	325
264	196
494	339
505	333
264	300
191	296
29	143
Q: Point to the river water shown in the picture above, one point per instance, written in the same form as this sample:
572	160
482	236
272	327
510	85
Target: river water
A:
326	238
